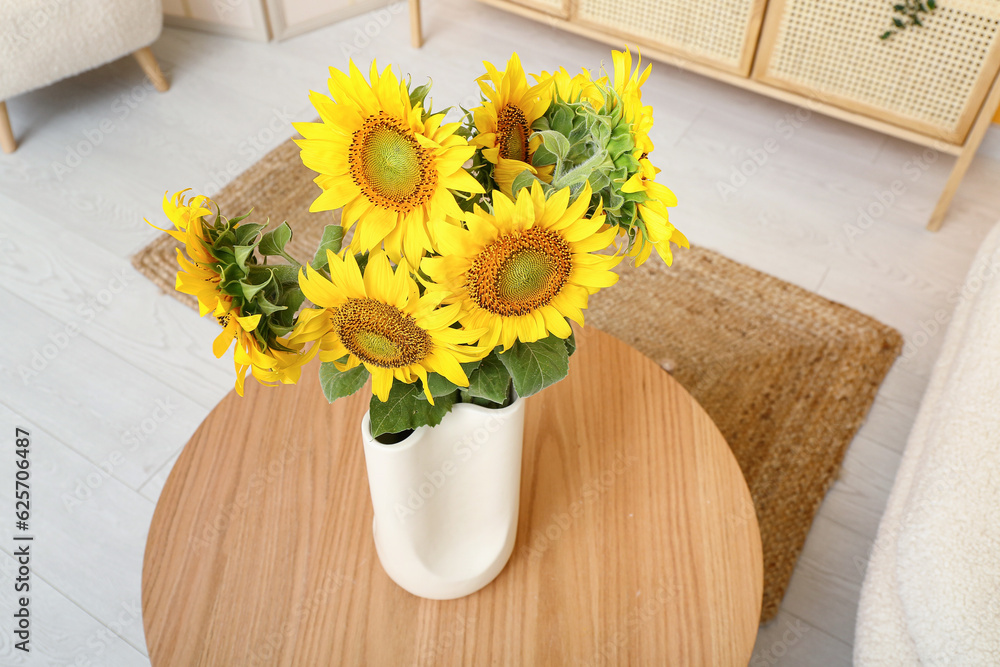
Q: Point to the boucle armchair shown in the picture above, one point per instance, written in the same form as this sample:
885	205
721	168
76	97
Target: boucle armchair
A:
43	41
931	595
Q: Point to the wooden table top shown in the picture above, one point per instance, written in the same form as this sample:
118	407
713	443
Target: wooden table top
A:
637	541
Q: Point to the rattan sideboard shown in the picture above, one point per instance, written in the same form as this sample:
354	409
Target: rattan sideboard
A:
936	86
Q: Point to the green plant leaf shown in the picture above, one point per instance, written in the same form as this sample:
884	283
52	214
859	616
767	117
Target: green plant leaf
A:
333	238
337	384
439	385
266	307
556	143
362	260
490	381
571	343
535	366
418	94
404	410
522	180
242	254
285	274
273	242
251	290
246	234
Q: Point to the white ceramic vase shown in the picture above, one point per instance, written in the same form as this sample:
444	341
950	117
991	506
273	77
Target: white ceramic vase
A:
446	499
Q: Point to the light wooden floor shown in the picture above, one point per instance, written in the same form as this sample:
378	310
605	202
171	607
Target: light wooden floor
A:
112	377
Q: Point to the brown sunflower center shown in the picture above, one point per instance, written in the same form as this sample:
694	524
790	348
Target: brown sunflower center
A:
516	275
512	133
389	166
380	334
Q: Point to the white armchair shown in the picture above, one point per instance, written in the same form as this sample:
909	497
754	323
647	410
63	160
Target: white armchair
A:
43	41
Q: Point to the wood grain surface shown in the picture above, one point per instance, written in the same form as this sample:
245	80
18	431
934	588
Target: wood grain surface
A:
637	541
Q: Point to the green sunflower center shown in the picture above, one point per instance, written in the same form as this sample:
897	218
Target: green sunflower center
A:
380	334
518	274
389	166
526	275
512	133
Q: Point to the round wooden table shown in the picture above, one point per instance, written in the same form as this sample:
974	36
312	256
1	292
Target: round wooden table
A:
637	542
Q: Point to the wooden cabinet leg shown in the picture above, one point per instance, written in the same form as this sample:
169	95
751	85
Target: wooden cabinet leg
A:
972	141
147	61
951	187
7	142
416	33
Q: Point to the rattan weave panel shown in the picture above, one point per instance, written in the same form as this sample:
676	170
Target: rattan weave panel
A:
714	30
927	75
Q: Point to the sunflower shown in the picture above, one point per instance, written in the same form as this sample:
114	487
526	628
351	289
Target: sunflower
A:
519	273
380	320
200	276
659	233
628	86
572	88
391	170
657	198
268	366
504	122
646	225
197	278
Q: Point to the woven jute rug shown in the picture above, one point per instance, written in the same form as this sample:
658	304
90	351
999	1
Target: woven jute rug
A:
786	375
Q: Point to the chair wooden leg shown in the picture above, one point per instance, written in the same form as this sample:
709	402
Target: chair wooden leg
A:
147	61
416	33
7	142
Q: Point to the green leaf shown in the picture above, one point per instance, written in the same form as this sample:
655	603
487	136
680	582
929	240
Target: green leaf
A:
542	157
885	35
273	242
251	290
522	180
439	385
932	4
418	94
571	343
333	238
579	174
285	274
242	254
245	234
338	384
556	143
289	302
238	219
490	381
404	410
266	307
898	23
362	260
535	366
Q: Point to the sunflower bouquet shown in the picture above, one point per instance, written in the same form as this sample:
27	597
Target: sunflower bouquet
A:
464	249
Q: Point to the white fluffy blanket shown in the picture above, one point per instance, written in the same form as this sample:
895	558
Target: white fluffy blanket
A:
931	595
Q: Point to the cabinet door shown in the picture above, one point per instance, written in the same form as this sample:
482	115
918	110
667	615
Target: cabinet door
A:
558	8
721	33
931	79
